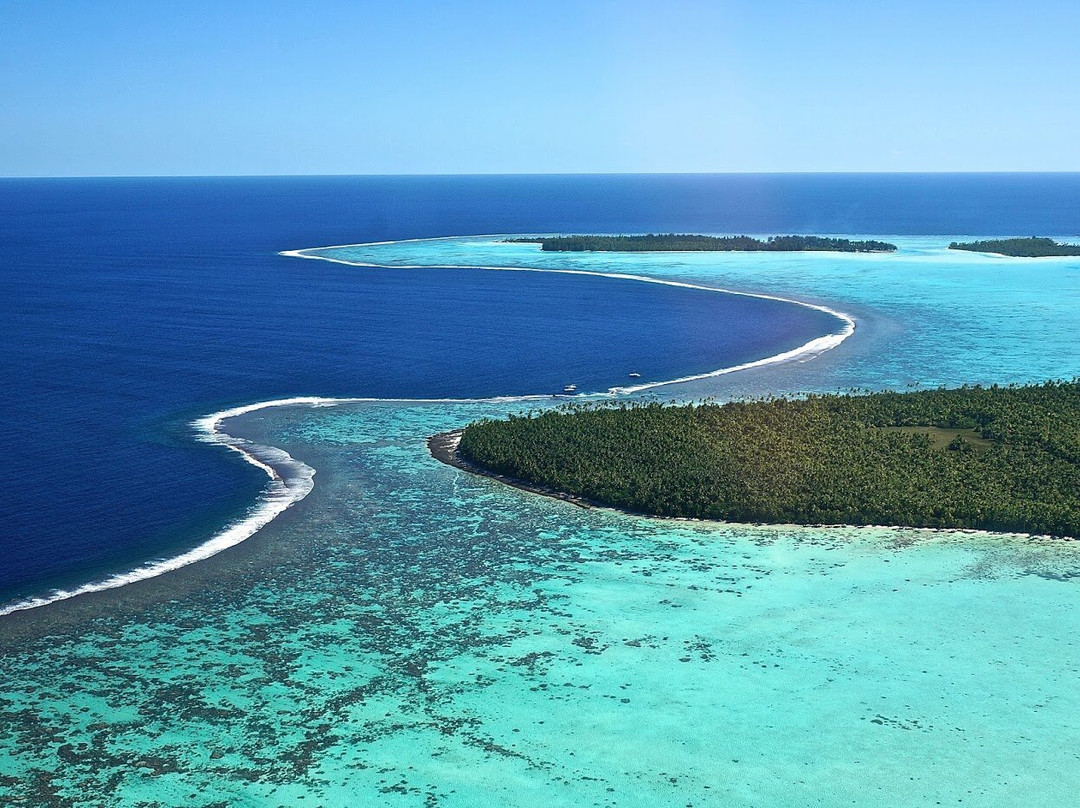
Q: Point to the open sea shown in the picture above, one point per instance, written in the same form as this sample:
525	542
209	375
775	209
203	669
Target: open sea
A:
405	634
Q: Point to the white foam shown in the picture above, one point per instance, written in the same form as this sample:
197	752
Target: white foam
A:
291	480
813	348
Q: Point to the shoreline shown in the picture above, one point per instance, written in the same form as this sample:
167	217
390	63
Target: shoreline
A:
290	480
1018	257
444	447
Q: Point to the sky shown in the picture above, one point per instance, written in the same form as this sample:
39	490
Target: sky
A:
418	87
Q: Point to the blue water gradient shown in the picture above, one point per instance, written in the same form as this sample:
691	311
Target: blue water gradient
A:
128	307
505	649
411	635
930	315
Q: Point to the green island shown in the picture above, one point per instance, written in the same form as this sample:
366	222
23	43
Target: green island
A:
681	242
991	458
1033	247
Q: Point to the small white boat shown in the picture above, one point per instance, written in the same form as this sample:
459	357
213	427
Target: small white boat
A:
570	388
635	375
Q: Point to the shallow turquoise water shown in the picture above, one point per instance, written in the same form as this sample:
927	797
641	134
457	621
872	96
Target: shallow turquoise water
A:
412	635
932	316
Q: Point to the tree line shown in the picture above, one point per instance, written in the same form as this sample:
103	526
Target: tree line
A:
1013	463
676	242
1033	247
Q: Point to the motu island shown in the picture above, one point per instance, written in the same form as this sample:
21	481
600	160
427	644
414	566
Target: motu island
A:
1033	247
673	242
1005	459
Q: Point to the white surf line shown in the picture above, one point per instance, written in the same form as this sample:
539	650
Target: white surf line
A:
282	492
285	490
814	347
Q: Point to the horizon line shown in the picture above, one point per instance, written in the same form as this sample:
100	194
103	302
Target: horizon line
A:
531	174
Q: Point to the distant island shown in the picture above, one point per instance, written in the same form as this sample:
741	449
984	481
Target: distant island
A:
997	458
1033	247
675	242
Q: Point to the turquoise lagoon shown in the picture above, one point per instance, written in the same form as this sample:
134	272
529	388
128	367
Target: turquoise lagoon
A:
411	635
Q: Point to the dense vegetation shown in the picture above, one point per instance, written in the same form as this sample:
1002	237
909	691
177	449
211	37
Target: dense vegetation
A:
998	458
673	242
1019	247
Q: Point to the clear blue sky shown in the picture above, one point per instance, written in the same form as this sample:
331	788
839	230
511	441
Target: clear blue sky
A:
161	88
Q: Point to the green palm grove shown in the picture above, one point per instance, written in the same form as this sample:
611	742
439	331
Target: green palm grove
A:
686	242
997	458
1033	247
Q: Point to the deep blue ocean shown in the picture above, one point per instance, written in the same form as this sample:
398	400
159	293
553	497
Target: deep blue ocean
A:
128	307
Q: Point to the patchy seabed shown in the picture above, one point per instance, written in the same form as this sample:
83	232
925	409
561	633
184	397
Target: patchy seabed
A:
369	647
506	649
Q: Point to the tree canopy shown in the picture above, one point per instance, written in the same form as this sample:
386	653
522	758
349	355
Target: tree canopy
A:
997	458
1033	247
675	242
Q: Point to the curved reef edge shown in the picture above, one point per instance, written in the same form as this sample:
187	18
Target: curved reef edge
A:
291	480
811	349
